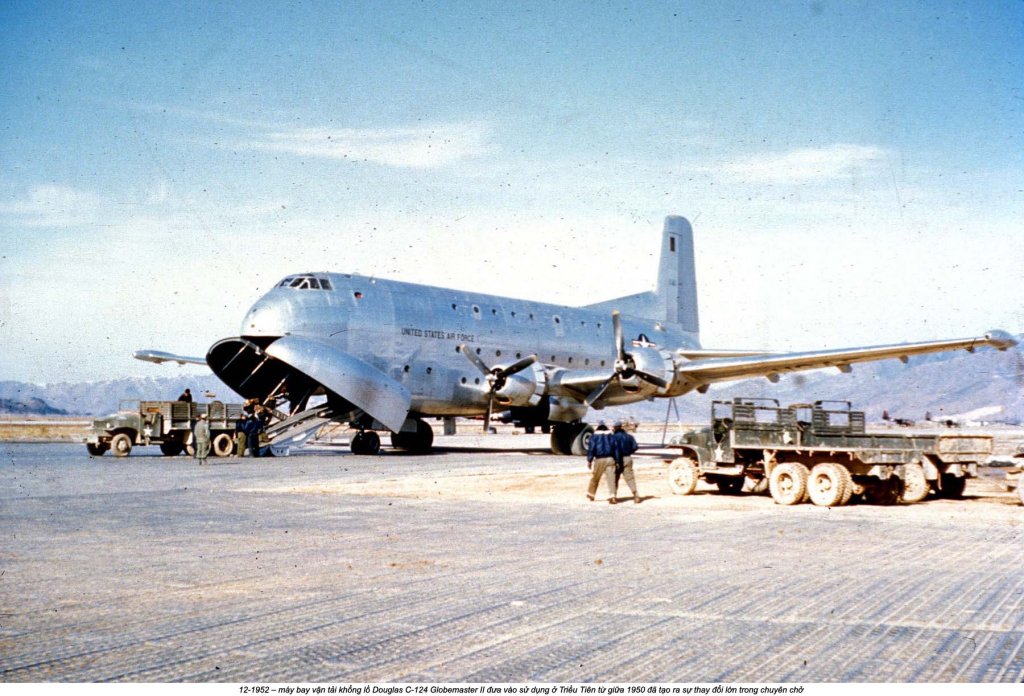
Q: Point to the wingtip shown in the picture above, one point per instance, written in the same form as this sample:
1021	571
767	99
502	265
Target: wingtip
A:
1000	339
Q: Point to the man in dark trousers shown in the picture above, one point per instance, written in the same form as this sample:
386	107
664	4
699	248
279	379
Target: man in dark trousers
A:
253	428
627	446
602	458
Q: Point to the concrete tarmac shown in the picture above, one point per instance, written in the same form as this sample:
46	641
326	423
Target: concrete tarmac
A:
484	565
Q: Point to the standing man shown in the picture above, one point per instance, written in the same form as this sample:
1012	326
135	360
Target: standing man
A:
626	446
240	426
253	428
602	457
202	439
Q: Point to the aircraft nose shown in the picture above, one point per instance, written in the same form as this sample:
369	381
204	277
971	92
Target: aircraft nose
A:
270	316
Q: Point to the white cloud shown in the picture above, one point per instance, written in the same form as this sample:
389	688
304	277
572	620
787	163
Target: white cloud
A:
420	147
52	205
807	164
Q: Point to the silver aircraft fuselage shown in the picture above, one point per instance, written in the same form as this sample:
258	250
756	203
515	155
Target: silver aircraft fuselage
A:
412	333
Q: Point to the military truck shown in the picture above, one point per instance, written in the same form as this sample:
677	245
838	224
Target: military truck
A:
820	451
165	423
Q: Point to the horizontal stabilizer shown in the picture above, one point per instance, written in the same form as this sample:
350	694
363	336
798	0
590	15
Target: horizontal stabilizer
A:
159	356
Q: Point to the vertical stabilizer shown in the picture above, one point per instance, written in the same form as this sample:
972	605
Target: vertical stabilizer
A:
677	277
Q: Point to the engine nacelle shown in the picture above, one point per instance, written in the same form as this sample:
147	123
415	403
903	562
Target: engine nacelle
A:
652	362
523	388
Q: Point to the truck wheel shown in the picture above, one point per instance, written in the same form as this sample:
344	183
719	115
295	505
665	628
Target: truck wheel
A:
121	445
915	484
788	483
171	448
683	476
952	486
825	485
730	485
759	486
97	449
223	445
848	485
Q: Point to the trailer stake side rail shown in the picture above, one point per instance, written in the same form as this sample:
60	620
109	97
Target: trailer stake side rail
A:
821	452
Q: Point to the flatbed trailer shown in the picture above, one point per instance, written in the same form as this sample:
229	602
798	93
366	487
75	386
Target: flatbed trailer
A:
168	424
820	451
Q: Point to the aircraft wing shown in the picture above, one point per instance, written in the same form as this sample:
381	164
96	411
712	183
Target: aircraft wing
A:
708	370
159	356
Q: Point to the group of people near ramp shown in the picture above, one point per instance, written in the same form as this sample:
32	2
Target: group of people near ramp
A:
610	454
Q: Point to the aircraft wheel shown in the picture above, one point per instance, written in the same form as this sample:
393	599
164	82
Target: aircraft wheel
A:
730	485
97	450
223	445
825	485
915	484
418	442
788	483
121	445
366	442
952	486
562	435
683	475
581	442
171	448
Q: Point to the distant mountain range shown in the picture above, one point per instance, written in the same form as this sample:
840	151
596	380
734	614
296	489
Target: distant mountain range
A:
942	385
101	398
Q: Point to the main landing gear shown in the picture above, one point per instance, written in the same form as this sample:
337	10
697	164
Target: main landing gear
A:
417	442
571	438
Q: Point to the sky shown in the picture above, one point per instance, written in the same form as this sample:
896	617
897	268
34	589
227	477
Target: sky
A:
854	171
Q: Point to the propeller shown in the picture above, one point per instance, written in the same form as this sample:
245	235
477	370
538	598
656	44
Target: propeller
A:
625	366
496	377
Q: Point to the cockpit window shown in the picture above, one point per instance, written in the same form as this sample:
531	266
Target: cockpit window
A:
305	282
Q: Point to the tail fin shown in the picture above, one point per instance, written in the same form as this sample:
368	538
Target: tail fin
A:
675	299
677	277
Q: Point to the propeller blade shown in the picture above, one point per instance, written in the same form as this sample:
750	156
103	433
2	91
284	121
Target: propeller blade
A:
473	358
518	366
620	342
653	379
596	394
487	416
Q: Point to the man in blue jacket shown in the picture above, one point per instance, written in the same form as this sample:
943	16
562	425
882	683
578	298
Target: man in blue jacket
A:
627	446
602	458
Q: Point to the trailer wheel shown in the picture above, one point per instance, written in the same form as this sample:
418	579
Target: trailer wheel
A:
788	483
97	449
121	445
223	445
683	476
952	486
171	448
915	484
825	485
730	485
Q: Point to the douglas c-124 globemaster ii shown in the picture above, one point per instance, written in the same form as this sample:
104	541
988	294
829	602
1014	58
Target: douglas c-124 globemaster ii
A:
387	355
